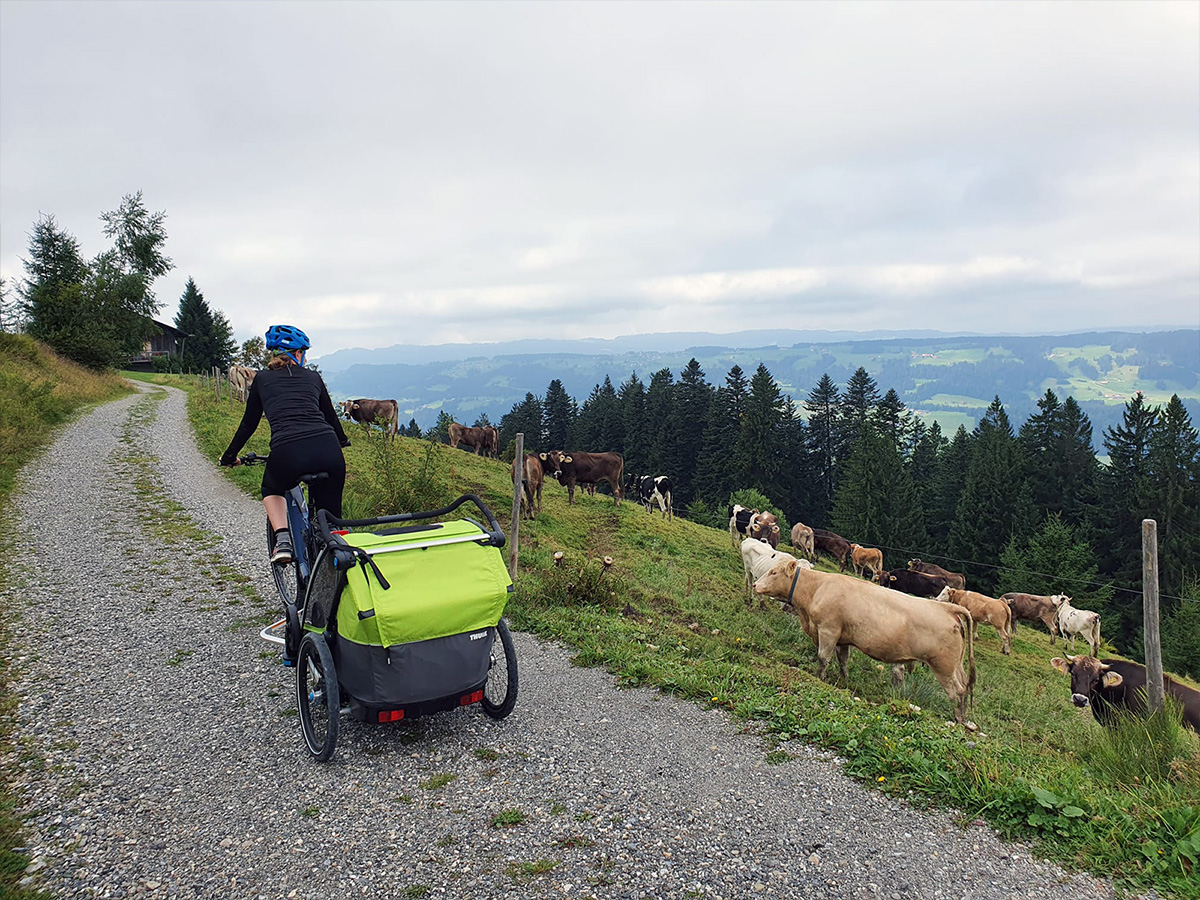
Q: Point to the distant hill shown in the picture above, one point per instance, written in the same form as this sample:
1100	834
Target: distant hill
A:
947	378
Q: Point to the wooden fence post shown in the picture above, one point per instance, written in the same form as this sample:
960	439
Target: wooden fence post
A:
1154	666
518	489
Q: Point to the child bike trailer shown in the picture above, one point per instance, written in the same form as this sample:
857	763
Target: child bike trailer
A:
404	620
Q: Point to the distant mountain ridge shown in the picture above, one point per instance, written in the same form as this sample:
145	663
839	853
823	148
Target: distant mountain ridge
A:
416	354
947	378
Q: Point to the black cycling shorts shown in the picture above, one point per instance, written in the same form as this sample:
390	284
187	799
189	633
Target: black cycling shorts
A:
308	456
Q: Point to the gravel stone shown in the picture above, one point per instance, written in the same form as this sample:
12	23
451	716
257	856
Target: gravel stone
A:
160	755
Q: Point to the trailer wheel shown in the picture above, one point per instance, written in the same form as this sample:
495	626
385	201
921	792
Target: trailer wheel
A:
317	695
500	692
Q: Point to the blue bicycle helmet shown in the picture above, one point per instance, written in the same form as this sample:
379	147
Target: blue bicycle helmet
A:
287	337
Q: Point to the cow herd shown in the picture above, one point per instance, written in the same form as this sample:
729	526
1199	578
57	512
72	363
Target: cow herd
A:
926	614
923	613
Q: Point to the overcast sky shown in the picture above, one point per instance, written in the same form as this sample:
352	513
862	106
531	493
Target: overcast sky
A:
382	173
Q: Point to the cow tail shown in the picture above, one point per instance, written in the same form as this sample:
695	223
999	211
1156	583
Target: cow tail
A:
970	631
395	423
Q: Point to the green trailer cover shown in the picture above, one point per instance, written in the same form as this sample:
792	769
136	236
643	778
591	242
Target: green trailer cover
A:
433	591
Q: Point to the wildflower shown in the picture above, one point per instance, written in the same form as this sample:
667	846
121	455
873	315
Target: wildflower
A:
881	778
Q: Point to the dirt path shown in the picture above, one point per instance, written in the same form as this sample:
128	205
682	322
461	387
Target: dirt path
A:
161	757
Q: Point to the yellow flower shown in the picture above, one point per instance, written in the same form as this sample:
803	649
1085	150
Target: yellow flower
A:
881	778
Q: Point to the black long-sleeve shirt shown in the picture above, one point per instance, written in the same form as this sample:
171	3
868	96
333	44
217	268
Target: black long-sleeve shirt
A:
296	404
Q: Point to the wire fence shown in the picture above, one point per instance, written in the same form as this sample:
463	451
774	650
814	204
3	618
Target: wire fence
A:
1066	578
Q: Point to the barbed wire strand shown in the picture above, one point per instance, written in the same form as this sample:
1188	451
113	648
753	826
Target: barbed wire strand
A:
914	554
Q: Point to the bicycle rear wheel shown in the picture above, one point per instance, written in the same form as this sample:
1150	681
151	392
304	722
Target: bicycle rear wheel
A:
287	576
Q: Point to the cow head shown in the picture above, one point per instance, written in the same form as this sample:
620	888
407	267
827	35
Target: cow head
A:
913	563
946	596
552	461
1060	600
1088	675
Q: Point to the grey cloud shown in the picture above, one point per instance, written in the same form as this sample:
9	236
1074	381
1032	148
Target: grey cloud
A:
312	155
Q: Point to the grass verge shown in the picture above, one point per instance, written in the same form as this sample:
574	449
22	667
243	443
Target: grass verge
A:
39	391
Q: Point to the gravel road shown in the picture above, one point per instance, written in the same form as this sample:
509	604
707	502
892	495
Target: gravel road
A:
171	763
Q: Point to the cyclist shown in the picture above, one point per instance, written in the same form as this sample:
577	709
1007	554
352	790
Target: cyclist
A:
306	435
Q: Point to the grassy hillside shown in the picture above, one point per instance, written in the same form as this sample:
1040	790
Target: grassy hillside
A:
39	390
673	613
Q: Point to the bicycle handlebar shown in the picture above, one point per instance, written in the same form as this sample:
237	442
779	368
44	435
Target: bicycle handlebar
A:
494	532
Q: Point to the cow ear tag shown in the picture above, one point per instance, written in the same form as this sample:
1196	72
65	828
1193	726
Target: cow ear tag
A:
1061	664
1111	679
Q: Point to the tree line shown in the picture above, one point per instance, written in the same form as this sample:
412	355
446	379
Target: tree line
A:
1029	508
100	312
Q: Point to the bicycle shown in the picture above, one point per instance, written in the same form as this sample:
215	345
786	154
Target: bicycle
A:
291	579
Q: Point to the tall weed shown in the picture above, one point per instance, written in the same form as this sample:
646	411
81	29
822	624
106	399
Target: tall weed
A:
1141	749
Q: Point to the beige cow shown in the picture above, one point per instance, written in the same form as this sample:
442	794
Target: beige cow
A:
839	613
240	379
802	539
983	608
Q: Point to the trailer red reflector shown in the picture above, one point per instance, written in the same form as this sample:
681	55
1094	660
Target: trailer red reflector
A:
391	715
468	699
341	531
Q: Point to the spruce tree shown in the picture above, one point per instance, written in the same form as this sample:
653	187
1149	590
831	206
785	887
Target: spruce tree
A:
659	413
715	477
558	414
877	503
923	464
994	504
637	438
693	396
1174	495
822	406
856	407
524	418
951	478
1181	633
758	451
1126	500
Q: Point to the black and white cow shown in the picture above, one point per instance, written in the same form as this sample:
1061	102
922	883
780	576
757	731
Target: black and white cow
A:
745	523
654	489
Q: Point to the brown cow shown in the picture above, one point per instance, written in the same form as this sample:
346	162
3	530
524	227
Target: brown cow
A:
984	609
370	412
1033	608
839	613
1110	685
954	579
240	379
476	438
493	441
866	558
833	544
532	478
583	467
802	539
768	524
